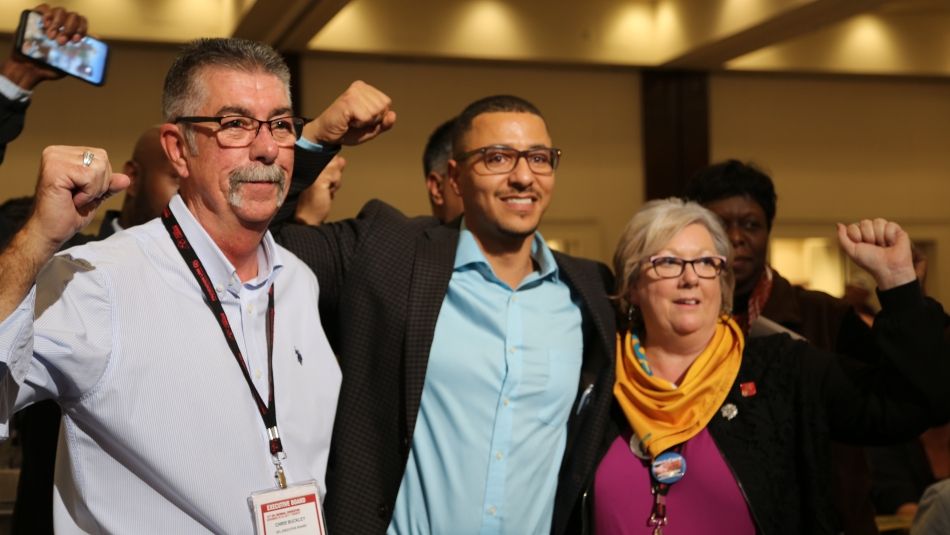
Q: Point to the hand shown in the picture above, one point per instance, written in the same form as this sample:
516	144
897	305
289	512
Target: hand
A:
361	113
314	203
61	25
882	248
68	193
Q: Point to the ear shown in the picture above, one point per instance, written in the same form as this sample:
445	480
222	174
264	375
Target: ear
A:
632	296
435	184
173	142
132	169
452	173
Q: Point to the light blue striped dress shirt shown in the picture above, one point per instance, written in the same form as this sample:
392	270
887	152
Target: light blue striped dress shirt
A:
502	375
160	433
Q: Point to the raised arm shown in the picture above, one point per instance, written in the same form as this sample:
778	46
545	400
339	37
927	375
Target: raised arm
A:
909	392
882	248
358	115
72	182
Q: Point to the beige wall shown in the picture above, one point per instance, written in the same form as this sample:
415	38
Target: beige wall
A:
841	149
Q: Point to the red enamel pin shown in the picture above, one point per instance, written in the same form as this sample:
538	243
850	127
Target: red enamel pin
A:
747	389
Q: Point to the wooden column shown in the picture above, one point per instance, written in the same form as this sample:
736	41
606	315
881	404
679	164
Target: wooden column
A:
675	129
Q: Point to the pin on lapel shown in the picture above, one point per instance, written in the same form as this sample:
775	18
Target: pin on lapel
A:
747	389
729	411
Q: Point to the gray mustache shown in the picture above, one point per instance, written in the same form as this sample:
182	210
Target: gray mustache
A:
257	173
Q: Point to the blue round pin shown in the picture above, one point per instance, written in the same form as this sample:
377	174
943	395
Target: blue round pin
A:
668	467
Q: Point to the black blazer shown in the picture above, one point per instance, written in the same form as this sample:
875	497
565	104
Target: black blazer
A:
12	115
382	280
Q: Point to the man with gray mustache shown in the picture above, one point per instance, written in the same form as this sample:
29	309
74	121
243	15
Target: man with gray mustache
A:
256	174
186	353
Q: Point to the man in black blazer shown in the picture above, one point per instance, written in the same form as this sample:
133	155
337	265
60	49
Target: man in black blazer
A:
427	364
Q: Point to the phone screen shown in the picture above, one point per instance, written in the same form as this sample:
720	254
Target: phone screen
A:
85	60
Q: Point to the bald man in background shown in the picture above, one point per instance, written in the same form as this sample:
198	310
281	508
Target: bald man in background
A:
154	182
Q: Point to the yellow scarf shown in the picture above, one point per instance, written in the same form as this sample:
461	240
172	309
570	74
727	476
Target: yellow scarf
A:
663	415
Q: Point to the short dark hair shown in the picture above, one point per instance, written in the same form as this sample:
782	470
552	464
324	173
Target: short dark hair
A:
492	104
439	148
733	178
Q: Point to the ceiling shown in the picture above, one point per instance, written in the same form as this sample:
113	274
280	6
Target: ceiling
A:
874	37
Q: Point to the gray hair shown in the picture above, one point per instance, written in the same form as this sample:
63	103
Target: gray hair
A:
651	228
183	92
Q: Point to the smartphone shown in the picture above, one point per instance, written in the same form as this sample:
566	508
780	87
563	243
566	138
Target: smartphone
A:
85	60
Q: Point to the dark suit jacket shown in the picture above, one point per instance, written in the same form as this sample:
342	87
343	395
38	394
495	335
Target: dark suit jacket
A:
382	280
12	115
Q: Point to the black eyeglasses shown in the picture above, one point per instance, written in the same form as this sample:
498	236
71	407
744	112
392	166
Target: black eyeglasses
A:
705	267
503	159
240	131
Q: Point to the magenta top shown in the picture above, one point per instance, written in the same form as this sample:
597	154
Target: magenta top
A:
707	500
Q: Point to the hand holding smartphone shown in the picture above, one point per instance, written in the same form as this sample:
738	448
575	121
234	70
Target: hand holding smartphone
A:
85	59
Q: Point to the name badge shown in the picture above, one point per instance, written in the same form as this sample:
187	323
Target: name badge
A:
295	509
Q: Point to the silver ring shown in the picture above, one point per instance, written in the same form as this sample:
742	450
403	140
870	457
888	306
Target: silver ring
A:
87	158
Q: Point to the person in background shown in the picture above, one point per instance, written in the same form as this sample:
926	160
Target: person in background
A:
445	203
933	515
716	433
154	181
743	197
902	473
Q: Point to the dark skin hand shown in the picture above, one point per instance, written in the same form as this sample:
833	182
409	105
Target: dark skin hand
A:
63	26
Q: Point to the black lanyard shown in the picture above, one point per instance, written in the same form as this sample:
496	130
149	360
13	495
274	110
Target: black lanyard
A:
268	411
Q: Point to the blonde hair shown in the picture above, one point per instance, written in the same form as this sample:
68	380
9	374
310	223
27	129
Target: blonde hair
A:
651	228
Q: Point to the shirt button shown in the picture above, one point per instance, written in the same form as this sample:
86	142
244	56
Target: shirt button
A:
498	455
505	402
250	309
512	350
491	510
219	288
257	374
514	299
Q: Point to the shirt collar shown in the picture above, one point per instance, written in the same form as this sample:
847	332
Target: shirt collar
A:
469	253
223	274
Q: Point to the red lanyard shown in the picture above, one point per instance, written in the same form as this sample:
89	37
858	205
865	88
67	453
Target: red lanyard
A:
659	489
269	410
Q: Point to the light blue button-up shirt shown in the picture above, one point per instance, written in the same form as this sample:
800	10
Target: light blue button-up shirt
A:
502	375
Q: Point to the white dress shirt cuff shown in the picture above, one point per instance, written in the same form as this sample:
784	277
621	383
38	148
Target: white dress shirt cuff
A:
12	91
